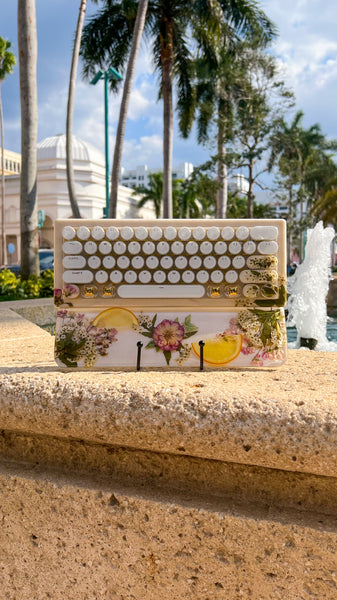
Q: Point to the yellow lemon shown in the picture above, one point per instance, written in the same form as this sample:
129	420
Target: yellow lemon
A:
120	318
219	351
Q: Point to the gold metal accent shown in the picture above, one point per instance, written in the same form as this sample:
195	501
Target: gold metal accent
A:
231	291
108	291
213	291
90	291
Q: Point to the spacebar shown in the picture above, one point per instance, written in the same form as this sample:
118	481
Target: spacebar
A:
161	291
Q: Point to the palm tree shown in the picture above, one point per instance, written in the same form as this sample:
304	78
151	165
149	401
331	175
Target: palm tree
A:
171	25
153	192
70	110
27	46
7	63
326	206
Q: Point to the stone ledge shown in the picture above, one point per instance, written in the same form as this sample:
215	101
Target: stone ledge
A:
281	419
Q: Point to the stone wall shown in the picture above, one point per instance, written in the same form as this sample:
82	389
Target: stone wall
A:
165	485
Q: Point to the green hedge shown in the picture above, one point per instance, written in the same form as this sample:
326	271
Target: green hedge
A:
12	288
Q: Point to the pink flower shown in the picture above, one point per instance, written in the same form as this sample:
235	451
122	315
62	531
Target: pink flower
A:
168	335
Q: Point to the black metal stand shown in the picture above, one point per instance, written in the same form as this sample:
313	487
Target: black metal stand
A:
139	353
201	345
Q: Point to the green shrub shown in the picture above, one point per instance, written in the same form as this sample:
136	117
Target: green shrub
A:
12	288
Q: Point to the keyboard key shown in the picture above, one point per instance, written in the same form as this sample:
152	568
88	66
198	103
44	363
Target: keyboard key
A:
126	233
141	233
249	247
166	262
170	233
163	248
116	276
199	233
152	262
227	233
220	247
173	277
213	233
148	247
109	262
180	262
137	262
74	262
123	262
90	247
188	276
192	247
112	233
82	276
83	233
105	247
264	232
209	262
177	248
250	290
72	247
155	233
224	262
217	276
68	233
267	247
258	276
238	262
159	276
134	248
206	247
235	247
231	276
94	262
130	277
262	262
101	276
97	233
195	262
242	233
119	247
184	233
161	291
202	276
144	276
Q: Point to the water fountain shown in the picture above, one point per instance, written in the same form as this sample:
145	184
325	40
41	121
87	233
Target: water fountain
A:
308	289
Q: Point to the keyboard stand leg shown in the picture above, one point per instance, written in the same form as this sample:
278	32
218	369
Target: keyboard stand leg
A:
201	344
139	352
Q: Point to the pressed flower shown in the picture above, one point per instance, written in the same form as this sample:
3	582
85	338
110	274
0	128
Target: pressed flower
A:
168	335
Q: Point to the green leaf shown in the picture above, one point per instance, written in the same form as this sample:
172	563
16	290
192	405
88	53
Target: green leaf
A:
167	355
151	344
189	327
147	334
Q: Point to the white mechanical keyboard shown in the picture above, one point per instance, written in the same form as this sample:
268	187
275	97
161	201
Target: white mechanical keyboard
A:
214	262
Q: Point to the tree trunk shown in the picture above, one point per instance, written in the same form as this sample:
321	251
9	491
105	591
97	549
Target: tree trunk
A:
3	232
167	76
222	192
27	47
117	159
250	194
70	110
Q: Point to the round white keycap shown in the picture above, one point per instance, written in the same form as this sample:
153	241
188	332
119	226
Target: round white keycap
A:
126	233
144	277
184	233
72	247
130	277
227	233
235	247
267	247
173	276
199	233
202	276
166	262
141	233
112	233
101	276
242	233
116	276
206	247
231	276
148	247
163	248
177	248
213	233
209	262
238	262
159	276
220	248
105	247
249	247
137	262
217	276
195	262
119	247
83	233
123	262
109	262
134	247
155	233
180	262
94	262
97	233
68	232
192	247
188	276
170	233
152	262
224	262
90	247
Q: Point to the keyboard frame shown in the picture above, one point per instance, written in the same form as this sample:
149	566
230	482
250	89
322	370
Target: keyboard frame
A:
206	303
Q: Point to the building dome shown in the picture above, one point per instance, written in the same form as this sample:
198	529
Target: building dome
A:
55	148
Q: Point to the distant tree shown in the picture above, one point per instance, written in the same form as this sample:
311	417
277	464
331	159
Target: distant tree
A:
27	46
70	111
153	193
325	207
7	63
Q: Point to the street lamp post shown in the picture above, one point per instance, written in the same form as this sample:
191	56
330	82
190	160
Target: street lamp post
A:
107	75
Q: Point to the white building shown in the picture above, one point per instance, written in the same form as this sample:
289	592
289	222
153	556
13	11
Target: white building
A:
238	184
52	191
140	175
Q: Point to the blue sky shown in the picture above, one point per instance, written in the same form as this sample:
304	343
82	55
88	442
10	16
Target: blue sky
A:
306	49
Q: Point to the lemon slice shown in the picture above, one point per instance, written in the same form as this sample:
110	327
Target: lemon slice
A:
120	318
219	351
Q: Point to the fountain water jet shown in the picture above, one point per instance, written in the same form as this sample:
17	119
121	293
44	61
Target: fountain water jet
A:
308	289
